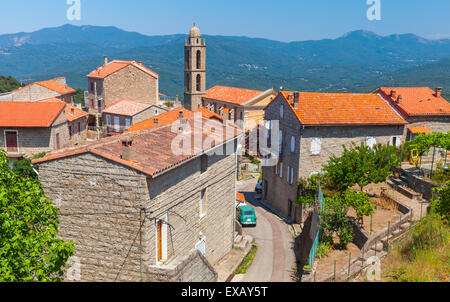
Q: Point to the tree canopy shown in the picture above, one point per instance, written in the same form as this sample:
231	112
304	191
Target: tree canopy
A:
29	247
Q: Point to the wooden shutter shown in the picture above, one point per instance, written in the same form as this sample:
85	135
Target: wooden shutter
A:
316	146
11	141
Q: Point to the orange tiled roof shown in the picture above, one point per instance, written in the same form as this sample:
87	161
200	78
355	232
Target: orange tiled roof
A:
416	101
53	85
29	114
116	65
150	152
127	107
240	196
72	112
170	117
233	95
343	108
416	130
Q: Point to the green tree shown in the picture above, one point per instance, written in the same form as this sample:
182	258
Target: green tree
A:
8	84
441	206
29	247
360	202
334	221
361	165
308	189
24	168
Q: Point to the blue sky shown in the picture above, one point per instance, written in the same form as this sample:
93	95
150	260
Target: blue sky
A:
283	20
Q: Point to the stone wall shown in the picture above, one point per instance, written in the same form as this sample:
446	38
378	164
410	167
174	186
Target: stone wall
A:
33	92
334	137
133	83
418	184
192	268
104	199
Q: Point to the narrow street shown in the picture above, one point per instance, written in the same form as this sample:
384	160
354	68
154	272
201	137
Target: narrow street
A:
274	260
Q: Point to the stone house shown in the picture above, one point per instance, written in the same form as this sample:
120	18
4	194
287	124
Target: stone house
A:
312	128
138	211
120	115
118	79
28	128
55	88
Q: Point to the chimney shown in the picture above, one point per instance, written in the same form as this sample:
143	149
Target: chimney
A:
155	121
296	99
106	60
399	99
140	62
126	148
180	114
393	94
438	91
72	111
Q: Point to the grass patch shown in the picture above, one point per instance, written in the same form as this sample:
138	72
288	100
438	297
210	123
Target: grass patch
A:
247	261
424	256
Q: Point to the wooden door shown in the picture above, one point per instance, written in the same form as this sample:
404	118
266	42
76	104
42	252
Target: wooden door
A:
159	226
11	141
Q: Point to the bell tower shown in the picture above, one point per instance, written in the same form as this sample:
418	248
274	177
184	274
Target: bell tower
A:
194	69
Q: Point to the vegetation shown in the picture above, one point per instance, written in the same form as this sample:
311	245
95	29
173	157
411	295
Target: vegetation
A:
361	165
441	206
423	257
247	261
360	202
308	189
79	97
24	169
334	221
29	247
323	249
8	84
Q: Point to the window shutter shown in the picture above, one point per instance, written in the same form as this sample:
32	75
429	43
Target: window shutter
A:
371	141
293	144
316	146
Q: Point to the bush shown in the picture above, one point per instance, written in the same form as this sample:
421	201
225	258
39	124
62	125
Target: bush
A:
24	168
323	249
334	221
441	206
361	203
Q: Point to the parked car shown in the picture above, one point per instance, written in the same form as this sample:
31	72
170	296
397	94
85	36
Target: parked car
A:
246	215
258	188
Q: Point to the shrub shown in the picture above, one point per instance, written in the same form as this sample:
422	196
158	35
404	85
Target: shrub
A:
360	202
441	206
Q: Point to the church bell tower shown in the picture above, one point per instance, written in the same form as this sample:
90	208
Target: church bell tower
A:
194	69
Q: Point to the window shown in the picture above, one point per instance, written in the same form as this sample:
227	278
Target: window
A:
187	59
188	83
127	123
199	85
202	203
280	142
199	59
281	111
395	141
203	163
108	120
280	169
79	127
290	175
371	141
70	132
292	144
316	146
156	111
58	146
116	124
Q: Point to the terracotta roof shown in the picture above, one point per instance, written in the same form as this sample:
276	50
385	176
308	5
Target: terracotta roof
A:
233	95
171	116
116	65
416	101
53	85
150	150
126	106
72	112
240	196
29	114
343	108
416	130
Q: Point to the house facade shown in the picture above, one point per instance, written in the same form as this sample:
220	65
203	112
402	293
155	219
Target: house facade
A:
312	128
29	128
118	79
55	88
120	115
165	209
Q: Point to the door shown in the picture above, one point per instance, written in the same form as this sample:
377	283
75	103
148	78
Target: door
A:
116	124
290	203
11	141
159	226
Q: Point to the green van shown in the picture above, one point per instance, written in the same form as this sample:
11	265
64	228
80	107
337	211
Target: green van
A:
246	215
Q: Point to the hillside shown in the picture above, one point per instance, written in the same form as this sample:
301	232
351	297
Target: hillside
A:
8	84
357	61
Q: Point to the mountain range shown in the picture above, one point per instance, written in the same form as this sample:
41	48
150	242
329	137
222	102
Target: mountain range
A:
359	61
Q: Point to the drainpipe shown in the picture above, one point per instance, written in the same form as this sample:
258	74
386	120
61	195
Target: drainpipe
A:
239	146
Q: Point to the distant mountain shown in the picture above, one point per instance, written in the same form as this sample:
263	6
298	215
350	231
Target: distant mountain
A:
357	60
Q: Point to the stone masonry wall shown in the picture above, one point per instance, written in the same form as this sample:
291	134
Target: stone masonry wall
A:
106	244
133	83
31	140
334	137
33	92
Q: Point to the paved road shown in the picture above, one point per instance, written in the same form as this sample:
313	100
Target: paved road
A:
274	260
